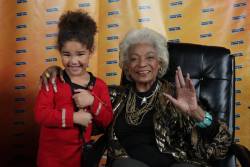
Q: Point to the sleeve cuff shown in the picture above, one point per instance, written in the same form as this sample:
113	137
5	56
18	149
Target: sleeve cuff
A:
207	121
97	106
67	118
211	130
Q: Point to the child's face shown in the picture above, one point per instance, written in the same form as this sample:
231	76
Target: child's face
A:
75	58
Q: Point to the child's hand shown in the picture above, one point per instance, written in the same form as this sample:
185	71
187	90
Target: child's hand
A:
83	98
82	117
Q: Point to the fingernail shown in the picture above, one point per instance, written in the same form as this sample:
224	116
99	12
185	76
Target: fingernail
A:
47	88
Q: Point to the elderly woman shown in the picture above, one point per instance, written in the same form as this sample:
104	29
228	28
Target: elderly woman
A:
157	124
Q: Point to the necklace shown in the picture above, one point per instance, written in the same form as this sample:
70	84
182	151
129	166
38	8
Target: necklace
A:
134	115
145	98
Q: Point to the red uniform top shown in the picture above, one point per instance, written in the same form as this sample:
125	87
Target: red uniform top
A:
60	144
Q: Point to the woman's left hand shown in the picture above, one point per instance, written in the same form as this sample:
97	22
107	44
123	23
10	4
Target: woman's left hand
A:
186	100
83	98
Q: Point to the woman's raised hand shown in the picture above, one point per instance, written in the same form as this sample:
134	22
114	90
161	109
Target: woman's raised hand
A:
186	100
50	75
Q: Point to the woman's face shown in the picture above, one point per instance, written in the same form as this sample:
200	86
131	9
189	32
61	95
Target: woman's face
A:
143	64
75	58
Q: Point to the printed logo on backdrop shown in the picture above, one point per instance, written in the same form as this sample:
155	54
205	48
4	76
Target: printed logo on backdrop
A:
20	14
111	74
21	26
177	28
111	1
240	4
52	10
177	3
21	51
21	1
112	37
206	23
144	7
52	35
112	62
112	26
84	5
112	50
144	19
236	30
52	22
112	13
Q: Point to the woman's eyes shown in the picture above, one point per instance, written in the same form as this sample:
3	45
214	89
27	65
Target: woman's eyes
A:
147	58
133	59
150	57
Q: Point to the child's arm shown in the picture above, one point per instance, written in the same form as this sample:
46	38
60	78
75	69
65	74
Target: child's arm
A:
46	114
101	107
98	101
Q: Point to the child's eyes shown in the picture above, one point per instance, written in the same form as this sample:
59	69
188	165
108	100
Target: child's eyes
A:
81	54
66	54
78	54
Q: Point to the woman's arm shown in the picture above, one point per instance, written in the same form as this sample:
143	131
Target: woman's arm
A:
217	140
215	136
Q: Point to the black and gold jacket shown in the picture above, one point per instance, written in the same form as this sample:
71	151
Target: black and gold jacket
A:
175	133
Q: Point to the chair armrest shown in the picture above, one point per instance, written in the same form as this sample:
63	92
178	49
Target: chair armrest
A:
241	153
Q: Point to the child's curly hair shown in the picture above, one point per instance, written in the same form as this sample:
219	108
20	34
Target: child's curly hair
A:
76	26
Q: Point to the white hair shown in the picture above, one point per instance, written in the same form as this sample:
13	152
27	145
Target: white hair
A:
144	35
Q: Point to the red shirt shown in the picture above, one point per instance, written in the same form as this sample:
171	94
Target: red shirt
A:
60	144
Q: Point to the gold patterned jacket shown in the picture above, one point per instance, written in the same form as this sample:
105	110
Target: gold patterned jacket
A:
175	133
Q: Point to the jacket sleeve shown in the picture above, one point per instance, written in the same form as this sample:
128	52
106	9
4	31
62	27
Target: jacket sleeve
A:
101	108
48	115
217	140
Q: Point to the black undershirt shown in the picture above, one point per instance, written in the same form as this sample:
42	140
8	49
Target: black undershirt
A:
75	86
139	140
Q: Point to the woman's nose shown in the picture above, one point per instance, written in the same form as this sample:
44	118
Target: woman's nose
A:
142	62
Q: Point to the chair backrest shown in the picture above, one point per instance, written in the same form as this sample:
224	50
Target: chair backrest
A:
211	69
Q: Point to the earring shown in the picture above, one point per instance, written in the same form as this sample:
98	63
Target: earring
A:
160	70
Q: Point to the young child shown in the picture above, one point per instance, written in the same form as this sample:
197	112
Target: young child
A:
66	116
